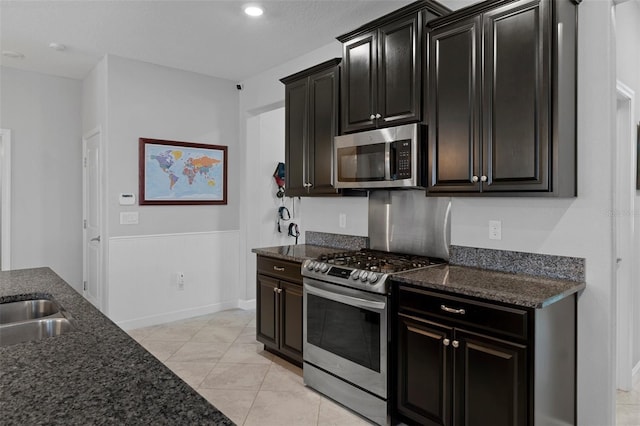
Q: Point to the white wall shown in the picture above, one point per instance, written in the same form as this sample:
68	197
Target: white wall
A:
576	227
43	113
151	101
263	93
627	66
131	99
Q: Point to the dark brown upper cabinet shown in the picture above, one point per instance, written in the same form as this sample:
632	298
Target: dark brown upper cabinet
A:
382	69
502	100
311	123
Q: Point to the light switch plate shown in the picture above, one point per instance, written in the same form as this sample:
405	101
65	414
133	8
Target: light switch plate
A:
128	218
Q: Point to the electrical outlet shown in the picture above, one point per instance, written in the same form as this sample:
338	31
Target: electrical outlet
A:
495	230
180	280
342	220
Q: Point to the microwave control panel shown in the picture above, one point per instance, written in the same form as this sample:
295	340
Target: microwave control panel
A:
403	160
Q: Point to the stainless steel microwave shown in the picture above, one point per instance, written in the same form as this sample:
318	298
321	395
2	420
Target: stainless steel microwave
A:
393	157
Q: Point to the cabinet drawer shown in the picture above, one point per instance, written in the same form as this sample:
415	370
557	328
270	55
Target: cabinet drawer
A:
280	268
460	311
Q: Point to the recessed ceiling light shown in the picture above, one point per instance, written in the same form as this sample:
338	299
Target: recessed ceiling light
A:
253	10
12	54
57	46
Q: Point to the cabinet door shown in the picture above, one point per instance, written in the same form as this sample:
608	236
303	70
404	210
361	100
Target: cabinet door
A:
296	125
490	381
291	320
323	127
267	311
424	372
517	93
399	78
358	99
454	107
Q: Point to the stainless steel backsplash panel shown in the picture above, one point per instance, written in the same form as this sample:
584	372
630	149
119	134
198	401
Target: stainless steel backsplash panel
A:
408	222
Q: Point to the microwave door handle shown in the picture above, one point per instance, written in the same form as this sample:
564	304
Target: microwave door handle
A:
341	298
387	161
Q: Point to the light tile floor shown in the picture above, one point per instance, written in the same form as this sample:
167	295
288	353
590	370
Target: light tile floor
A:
218	356
628	405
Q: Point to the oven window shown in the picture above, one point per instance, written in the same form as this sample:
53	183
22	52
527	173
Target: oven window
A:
361	163
346	331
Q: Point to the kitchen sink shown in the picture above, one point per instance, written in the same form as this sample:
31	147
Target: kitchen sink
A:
30	320
26	331
24	310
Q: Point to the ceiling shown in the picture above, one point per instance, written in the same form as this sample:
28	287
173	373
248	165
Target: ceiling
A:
211	37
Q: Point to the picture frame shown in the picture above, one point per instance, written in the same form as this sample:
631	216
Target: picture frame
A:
181	173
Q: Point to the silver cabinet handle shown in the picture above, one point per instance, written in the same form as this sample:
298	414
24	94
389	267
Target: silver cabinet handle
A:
474	178
446	342
276	268
372	117
455	344
452	310
96	239
378	116
483	178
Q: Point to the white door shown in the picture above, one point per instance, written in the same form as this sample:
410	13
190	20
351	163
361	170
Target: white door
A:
623	223
92	253
5	199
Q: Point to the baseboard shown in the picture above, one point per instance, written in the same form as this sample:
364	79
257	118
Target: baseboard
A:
177	315
247	304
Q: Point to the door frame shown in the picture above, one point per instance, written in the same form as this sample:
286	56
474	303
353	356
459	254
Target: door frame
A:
101	294
624	233
5	195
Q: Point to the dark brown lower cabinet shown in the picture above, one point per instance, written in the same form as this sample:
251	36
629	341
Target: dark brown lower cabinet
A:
279	308
467	362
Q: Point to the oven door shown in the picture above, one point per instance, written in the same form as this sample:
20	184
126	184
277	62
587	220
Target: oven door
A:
345	334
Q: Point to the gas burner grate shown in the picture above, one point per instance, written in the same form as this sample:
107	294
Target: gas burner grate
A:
378	261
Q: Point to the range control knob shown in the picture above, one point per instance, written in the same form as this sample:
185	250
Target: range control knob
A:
363	276
355	274
324	267
310	265
373	278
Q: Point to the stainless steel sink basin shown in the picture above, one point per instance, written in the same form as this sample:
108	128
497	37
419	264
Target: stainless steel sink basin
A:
26	331
24	310
34	319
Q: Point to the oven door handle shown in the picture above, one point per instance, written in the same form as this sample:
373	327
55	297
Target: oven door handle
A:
341	298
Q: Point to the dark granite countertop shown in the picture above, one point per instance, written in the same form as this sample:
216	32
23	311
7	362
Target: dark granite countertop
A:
94	375
517	289
296	253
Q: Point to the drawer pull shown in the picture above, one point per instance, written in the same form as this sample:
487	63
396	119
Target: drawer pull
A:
277	268
446	342
452	310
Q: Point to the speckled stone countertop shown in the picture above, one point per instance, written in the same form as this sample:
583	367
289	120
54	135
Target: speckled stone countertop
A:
296	253
517	289
95	375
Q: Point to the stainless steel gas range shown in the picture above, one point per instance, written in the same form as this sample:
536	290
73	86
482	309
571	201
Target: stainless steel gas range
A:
346	300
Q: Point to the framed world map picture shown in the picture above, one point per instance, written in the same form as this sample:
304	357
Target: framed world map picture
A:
173	172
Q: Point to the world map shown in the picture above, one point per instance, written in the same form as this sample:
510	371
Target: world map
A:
182	173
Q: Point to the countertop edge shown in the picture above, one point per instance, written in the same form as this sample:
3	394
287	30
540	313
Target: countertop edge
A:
511	297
